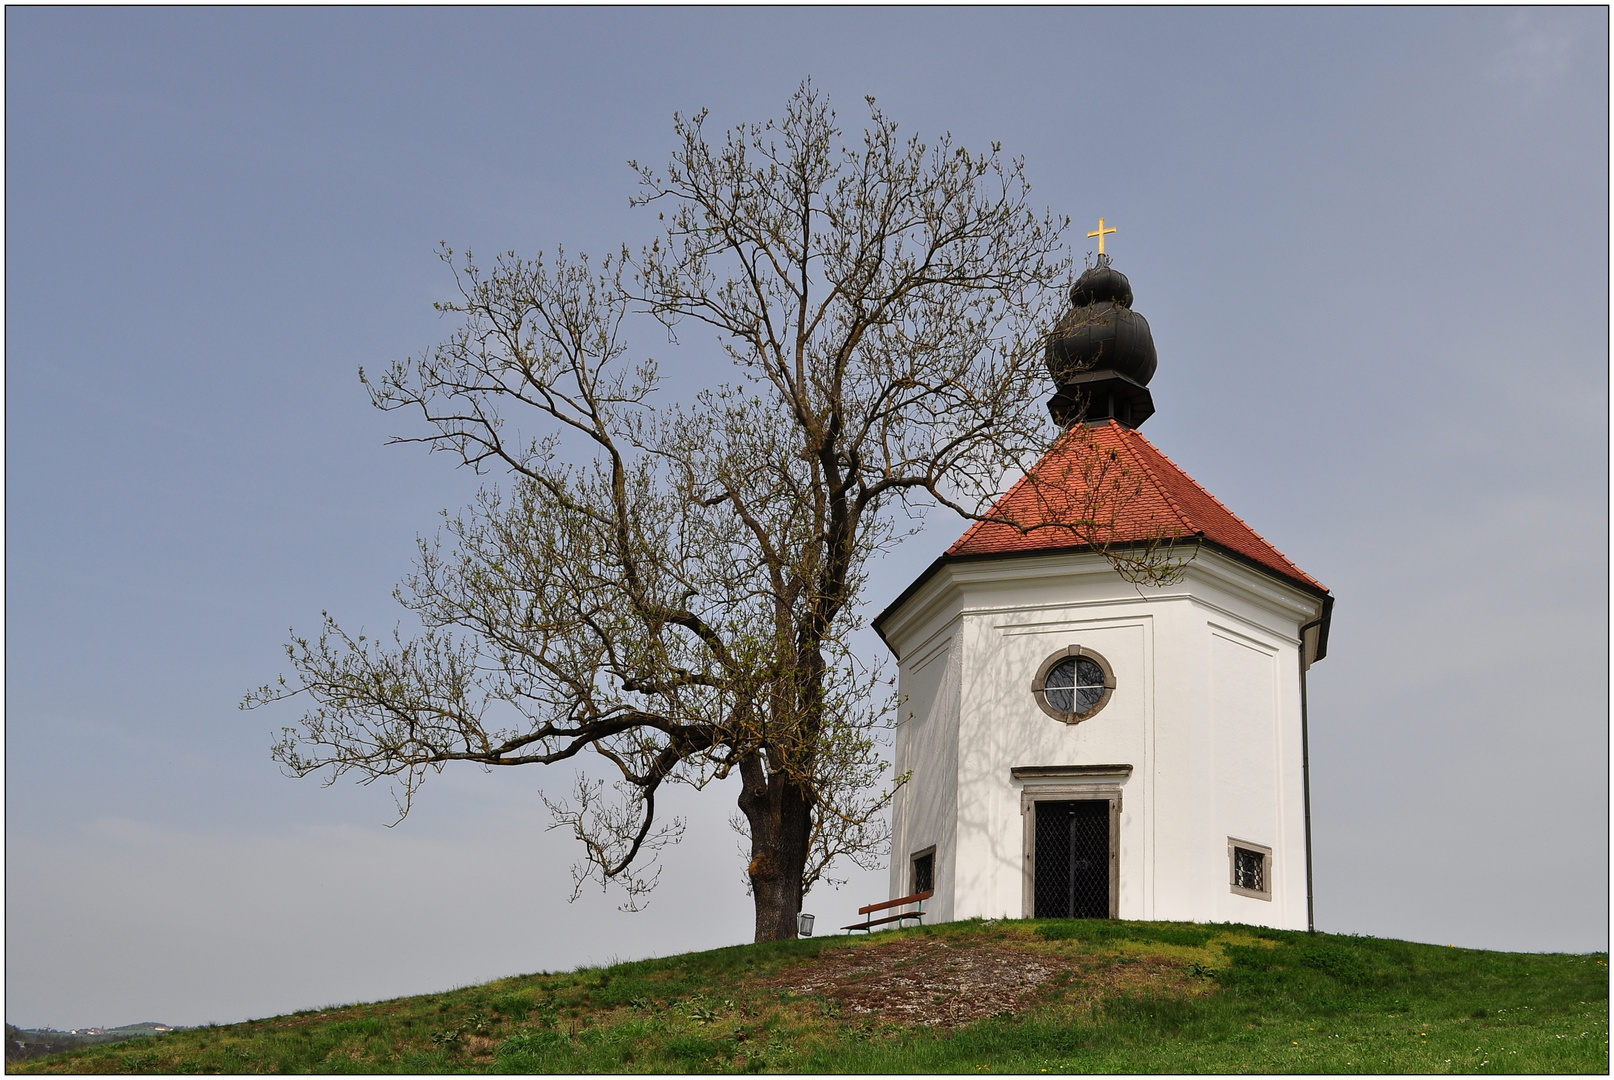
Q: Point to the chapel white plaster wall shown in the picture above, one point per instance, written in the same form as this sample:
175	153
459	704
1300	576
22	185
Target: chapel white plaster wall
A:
1185	795
1182	788
1004	729
1228	762
1255	671
1244	760
924	811
1289	876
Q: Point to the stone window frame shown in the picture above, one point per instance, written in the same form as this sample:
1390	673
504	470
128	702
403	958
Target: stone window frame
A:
1040	682
913	869
1266	868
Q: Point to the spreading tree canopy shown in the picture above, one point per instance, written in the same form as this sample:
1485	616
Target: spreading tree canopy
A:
679	598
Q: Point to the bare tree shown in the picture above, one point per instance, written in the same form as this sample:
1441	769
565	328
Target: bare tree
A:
681	603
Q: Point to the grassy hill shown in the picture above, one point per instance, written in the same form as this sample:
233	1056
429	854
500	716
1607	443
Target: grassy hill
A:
1054	996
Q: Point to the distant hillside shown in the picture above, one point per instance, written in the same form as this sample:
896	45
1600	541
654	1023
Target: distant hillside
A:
25	1043
1056	996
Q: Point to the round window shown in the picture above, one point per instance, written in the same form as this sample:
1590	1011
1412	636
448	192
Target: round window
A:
1073	684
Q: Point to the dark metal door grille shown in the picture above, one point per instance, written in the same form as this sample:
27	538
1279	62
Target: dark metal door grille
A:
1073	860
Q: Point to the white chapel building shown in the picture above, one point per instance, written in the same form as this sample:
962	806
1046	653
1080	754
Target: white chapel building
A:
1082	747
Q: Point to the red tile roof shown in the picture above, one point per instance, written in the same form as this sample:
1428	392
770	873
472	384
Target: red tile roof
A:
1108	484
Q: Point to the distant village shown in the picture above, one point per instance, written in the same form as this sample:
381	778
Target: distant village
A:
25	1043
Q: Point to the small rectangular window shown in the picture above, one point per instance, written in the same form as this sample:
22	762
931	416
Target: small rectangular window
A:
924	871
1250	868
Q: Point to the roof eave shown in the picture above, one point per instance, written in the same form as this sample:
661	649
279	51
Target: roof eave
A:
930	571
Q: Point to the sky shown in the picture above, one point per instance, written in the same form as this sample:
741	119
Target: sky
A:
1372	245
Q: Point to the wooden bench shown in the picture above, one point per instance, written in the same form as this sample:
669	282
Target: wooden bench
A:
869	923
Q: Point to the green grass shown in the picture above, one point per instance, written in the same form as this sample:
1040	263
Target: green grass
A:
1128	997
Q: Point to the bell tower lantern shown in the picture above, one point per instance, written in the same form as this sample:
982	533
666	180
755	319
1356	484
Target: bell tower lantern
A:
1101	355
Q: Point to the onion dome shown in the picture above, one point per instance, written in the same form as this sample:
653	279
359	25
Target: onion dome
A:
1101	354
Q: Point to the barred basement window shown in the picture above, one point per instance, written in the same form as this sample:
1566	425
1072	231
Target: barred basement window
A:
1250	868
924	870
1073	684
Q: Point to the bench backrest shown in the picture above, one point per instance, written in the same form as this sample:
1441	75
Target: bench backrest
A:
914	899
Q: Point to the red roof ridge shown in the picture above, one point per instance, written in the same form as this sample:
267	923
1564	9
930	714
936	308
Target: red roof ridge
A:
1061	444
1206	492
1169	504
1165	492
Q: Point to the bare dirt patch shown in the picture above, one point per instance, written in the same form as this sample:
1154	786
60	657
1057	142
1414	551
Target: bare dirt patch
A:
925	980
936	982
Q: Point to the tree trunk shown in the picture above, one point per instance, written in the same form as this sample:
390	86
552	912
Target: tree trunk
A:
779	814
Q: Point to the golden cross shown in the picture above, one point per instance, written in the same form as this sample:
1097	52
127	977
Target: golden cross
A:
1100	234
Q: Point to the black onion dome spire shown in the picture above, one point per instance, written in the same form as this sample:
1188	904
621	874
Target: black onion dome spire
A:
1101	284
1101	354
